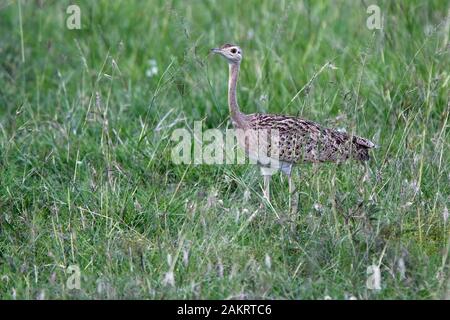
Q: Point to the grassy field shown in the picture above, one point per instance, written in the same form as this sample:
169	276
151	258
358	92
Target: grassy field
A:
87	180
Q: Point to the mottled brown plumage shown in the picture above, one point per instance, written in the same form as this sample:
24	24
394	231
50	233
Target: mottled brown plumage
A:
306	141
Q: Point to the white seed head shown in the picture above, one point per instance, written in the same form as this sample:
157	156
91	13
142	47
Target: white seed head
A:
169	279
247	195
445	214
373	277
220	269
169	259
401	267
186	257
317	207
268	261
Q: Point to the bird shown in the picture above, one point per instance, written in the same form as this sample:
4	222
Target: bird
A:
297	140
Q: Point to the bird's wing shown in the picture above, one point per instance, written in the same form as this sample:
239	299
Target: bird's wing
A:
286	125
289	125
305	140
364	142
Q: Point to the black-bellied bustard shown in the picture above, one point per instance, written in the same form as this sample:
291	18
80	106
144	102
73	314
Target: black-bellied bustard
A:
298	140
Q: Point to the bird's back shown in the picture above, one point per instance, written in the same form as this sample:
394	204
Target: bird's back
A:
302	140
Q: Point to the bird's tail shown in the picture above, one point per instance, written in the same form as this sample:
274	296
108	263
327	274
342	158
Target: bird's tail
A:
361	147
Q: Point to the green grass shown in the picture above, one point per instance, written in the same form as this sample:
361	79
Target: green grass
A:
85	179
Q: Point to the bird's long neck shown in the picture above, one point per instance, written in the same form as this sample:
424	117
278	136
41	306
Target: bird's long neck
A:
235	113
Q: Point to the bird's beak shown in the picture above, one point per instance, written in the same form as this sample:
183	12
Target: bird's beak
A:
216	50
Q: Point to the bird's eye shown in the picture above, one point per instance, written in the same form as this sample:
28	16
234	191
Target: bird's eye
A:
233	50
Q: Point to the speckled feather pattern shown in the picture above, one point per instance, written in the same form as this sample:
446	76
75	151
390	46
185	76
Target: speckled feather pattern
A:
303	140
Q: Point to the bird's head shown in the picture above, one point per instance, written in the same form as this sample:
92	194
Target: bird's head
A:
231	52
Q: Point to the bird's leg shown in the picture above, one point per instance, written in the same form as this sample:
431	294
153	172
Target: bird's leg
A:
266	190
290	192
286	168
293	196
267	174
